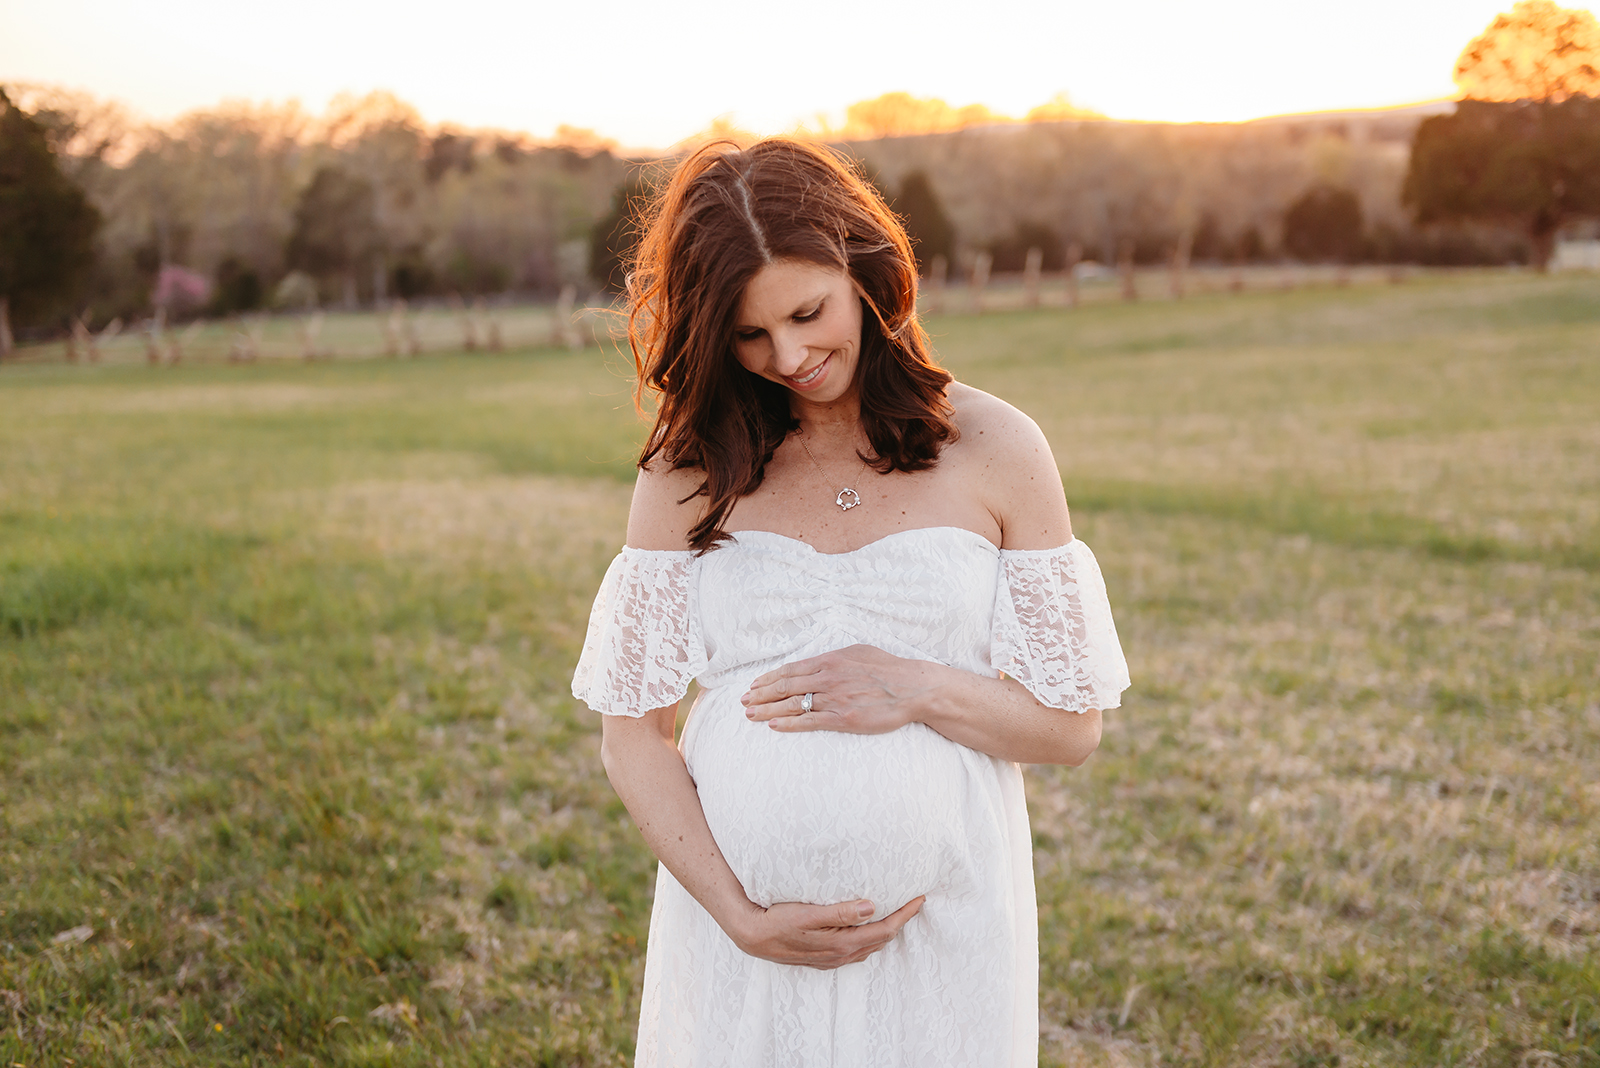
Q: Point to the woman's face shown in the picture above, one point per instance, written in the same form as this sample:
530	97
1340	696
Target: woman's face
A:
800	326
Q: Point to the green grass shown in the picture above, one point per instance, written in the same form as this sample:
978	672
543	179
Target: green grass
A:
289	773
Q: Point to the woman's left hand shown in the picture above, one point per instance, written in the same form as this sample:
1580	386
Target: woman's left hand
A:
858	690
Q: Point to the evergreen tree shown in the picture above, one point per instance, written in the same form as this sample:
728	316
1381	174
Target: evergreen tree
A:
335	225
932	233
615	235
47	226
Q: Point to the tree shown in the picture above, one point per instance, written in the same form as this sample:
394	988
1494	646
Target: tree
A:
932	233
1530	164
1536	51
902	115
449	150
237	289
1323	224
1011	252
1523	147
615	235
47	226
335	226
1060	108
1250	247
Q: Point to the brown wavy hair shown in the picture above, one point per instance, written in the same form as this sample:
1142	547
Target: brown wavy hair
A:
725	213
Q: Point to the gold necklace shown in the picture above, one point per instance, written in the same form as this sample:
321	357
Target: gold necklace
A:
847	497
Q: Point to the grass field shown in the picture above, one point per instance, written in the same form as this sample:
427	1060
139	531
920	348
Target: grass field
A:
289	773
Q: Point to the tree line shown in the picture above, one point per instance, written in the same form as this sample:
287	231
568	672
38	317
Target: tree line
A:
243	207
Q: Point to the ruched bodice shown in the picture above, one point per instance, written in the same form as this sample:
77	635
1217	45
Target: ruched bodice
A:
824	816
925	594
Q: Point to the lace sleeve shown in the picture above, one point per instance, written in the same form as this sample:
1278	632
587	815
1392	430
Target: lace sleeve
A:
643	646
1053	630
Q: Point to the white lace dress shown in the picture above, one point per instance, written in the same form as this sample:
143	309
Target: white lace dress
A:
823	816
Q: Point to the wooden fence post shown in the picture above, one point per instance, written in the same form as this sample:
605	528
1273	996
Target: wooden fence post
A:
938	269
404	326
491	326
152	336
563	332
1130	290
310	328
1180	263
981	267
469	329
1074	257
83	338
391	329
7	342
109	331
1030	277
408	327
246	344
177	343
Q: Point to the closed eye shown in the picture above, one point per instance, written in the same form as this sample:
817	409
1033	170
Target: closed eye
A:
809	317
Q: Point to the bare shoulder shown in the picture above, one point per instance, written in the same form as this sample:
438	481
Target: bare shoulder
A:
1007	455
656	518
998	424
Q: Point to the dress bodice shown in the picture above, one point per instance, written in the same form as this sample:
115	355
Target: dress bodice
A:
923	594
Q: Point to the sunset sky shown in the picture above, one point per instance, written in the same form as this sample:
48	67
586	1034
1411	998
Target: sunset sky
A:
650	74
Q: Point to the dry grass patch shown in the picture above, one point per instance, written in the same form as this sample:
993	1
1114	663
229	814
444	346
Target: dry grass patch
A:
1343	778
215	399
542	522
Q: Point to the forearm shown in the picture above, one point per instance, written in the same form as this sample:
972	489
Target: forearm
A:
649	775
865	690
1001	718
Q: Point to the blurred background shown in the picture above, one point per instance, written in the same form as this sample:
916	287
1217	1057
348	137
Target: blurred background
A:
169	167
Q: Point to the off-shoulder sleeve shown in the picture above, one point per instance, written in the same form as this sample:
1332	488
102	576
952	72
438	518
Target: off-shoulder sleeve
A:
1053	630
643	646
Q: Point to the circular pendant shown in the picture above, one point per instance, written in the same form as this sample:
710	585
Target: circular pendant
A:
847	499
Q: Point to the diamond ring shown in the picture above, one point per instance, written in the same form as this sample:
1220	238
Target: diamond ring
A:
805	701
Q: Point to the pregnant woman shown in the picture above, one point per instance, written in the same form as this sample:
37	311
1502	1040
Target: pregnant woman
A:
869	570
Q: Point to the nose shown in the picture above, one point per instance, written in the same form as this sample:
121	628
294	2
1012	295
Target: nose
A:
789	355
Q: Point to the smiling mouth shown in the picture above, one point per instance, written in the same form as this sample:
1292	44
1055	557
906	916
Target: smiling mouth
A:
807	379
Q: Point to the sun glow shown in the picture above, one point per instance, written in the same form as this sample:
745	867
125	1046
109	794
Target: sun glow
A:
652	74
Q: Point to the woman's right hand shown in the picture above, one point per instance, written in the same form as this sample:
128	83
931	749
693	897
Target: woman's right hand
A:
818	936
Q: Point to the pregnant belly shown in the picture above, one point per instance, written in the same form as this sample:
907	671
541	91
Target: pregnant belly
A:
822	817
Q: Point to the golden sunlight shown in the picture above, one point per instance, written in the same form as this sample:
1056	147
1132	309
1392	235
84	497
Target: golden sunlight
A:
649	77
